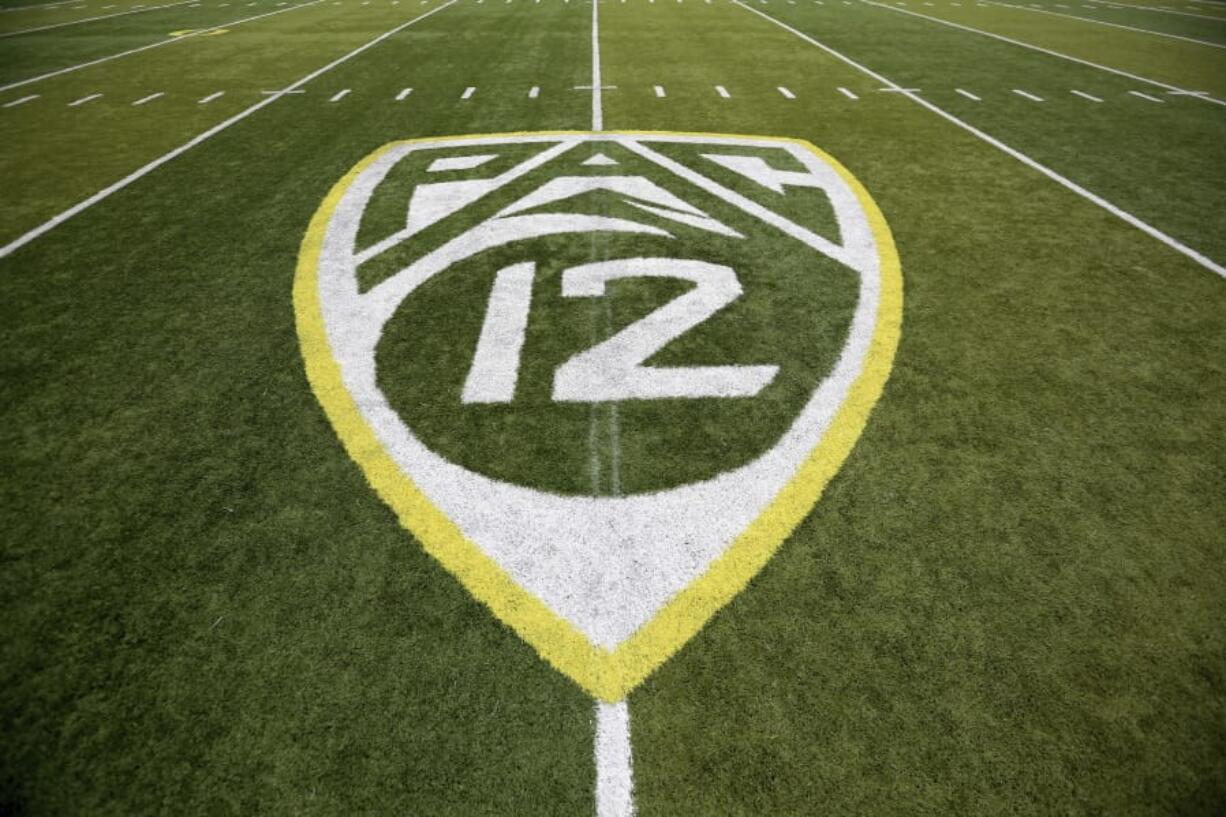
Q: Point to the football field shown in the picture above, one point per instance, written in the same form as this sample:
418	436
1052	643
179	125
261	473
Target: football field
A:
658	407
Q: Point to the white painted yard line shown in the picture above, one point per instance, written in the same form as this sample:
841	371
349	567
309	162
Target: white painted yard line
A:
534	92
1113	25
339	95
206	100
158	44
21	101
1153	232
1040	49
786	93
614	776
1027	95
1133	6
90	19
968	95
140	173
468	92
1146	96
404	94
83	100
659	91
723	92
847	93
597	102
1084	95
149	98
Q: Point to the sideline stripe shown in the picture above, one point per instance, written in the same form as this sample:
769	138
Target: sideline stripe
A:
1038	48
91	19
136	175
1153	232
1113	25
158	44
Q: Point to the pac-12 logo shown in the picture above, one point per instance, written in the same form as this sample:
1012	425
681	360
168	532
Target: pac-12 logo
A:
600	376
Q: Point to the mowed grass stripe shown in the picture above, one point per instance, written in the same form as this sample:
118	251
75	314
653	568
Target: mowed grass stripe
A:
257	617
962	623
1083	109
1172	67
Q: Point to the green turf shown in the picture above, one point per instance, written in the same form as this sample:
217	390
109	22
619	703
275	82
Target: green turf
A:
1009	601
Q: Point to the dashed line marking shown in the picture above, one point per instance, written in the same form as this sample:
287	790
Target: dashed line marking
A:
1084	95
660	91
723	92
83	100
149	98
468	92
403	95
534	92
1027	95
21	101
339	95
206	100
1145	96
786	93
968	95
847	93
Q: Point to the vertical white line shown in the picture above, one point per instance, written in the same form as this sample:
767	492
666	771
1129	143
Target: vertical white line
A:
614	777
597	105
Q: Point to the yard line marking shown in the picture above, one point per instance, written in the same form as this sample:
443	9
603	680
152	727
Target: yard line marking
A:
597	102
1145	96
83	100
968	95
614	778
1217	17
788	94
158	44
1187	93
149	98
1040	49
1028	95
91	19
403	95
848	93
723	92
898	89
534	92
1068	184
339	95
21	101
206	100
468	92
139	173
1115	25
1084	95
659	91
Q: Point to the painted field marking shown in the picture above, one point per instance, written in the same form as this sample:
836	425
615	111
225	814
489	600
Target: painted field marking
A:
1027	95
659	91
1068	184
1146	96
1135	7
149	98
898	89
848	93
723	92
158	44
21	101
1187	93
206	100
1084	95
534	92
786	93
89	19
83	100
1039	49
339	95
1114	25
138	174
597	99
403	95
468	92
615	777
968	95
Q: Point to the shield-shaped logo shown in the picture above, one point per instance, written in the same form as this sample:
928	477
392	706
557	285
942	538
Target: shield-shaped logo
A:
600	376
